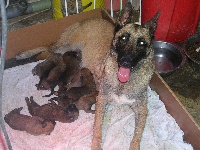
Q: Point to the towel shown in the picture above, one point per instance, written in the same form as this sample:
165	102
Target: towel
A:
161	130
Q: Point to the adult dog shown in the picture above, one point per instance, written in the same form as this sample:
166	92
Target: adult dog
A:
121	60
128	68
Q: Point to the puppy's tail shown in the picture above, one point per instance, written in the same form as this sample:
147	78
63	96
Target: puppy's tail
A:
30	53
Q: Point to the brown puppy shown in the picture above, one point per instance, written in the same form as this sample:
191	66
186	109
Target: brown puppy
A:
72	59
52	111
53	77
82	84
72	95
49	71
33	125
62	101
43	68
83	78
85	102
60	72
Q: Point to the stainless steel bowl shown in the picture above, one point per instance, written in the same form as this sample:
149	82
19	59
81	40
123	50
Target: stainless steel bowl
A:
168	57
193	61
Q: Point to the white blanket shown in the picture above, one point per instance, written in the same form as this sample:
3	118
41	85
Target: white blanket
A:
161	130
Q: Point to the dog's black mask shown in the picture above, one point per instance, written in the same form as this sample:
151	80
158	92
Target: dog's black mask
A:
131	42
128	53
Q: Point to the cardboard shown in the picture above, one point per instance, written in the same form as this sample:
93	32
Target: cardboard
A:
177	111
47	33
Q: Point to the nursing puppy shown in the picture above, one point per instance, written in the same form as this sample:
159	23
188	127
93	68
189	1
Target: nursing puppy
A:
120	58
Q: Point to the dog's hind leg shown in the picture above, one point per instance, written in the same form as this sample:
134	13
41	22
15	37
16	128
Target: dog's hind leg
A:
97	132
142	114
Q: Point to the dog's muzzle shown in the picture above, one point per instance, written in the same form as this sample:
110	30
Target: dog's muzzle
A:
126	61
125	64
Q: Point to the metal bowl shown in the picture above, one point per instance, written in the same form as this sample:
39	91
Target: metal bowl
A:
193	61
168	57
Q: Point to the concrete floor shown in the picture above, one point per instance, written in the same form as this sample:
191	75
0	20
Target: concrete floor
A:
28	20
185	82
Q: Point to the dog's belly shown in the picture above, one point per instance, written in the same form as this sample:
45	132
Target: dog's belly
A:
95	37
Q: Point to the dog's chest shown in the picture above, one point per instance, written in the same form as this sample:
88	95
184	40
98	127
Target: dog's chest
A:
115	91
122	99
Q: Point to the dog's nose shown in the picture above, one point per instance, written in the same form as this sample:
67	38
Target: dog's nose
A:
126	62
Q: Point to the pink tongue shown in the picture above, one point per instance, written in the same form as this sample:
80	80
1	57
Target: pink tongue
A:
123	74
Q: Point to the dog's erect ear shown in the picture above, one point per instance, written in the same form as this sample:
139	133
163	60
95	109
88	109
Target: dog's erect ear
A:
125	16
152	24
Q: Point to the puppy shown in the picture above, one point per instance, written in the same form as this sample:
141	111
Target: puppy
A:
83	78
57	70
72	59
85	102
33	125
120	58
49	71
53	77
82	84
43	68
52	111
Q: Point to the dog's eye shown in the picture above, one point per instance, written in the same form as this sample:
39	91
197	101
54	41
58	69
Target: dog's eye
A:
124	38
141	42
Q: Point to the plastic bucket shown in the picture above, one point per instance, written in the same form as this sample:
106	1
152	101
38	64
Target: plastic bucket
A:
99	3
57	7
178	18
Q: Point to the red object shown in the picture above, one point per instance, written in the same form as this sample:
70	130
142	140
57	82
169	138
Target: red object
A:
178	18
116	4
2	142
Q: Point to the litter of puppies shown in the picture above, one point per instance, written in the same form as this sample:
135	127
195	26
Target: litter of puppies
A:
77	91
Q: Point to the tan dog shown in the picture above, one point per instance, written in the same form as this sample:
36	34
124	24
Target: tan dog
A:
121	60
129	67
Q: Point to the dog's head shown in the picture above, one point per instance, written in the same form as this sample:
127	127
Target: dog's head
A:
131	42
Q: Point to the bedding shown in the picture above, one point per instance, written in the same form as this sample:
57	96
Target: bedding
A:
161	130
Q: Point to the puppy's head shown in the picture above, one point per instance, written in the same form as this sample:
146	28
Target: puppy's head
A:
131	42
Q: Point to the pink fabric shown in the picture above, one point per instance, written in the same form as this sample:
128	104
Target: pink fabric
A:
2	142
20	83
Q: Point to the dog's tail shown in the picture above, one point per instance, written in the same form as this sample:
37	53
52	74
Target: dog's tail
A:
30	53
